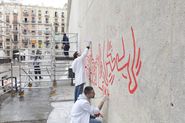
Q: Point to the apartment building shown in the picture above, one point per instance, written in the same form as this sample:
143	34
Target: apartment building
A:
30	26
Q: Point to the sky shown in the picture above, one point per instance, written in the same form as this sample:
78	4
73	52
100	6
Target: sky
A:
53	3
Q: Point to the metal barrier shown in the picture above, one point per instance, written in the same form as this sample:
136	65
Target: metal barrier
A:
62	61
35	59
6	69
41	56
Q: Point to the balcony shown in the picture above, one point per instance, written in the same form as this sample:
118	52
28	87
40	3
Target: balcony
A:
8	21
25	14
33	21
56	23
24	32
47	23
47	32
25	22
7	47
46	15
39	21
33	14
15	22
33	32
39	32
15	31
25	41
15	42
1	45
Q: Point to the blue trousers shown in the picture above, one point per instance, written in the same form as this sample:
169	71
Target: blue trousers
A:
78	91
94	121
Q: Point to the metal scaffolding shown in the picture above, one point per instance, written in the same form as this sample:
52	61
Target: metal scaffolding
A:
62	62
40	56
8	82
35	59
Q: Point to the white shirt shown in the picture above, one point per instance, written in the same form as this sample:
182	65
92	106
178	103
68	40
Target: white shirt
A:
82	109
79	68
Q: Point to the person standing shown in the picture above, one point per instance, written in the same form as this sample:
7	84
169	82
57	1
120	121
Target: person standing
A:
37	70
78	67
66	44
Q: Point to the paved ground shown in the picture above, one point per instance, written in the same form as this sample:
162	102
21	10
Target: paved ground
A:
38	106
61	112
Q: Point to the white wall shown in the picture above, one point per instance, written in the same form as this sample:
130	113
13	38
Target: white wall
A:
159	31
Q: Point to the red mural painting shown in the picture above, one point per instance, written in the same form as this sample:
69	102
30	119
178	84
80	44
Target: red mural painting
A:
101	69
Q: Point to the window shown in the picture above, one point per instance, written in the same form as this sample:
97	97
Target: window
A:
25	13
62	14
39	13
40	32
14	28
56	14
62	29
15	38
33	45
15	18
7	19
47	20
56	29
8	47
47	43
47	31
15	47
7	40
40	43
8	53
24	31
33	19
39	21
33	32
1	45
25	20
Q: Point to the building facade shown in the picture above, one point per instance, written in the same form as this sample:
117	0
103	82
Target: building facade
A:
30	26
137	57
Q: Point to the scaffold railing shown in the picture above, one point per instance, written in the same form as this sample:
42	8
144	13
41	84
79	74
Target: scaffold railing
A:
8	82
35	59
40	55
64	56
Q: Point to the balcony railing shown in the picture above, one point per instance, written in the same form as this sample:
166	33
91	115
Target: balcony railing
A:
56	23
33	21
25	41
47	32
33	14
25	14
46	15
15	22
25	21
39	21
